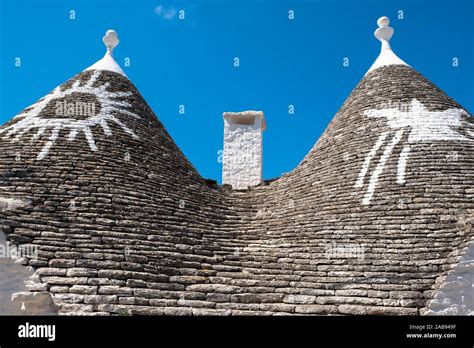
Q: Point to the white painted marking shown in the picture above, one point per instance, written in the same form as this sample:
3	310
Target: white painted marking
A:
49	143
72	135
368	159
422	125
38	133
425	125
106	128
110	106
90	139
380	166
402	164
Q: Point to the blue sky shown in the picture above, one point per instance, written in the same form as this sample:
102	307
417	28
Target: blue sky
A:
190	62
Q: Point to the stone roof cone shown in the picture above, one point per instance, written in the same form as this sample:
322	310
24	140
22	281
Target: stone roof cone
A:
383	201
90	167
98	106
392	119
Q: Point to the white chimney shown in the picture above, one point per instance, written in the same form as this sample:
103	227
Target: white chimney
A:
242	157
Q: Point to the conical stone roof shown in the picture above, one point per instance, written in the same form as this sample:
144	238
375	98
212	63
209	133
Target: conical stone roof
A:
380	208
89	174
374	220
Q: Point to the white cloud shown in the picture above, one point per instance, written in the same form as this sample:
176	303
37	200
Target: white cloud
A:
166	13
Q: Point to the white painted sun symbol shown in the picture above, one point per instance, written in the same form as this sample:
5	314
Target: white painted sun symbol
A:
109	102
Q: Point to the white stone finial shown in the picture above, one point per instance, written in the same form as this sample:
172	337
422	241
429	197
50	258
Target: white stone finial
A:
384	33
111	40
386	57
383	21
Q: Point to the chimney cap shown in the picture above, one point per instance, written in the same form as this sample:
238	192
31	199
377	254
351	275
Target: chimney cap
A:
247	114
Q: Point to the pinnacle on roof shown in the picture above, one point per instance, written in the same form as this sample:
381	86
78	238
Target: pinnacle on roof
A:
108	62
386	57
